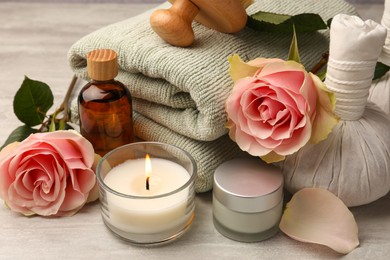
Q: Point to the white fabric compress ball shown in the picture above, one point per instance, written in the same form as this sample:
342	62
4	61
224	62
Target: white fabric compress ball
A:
354	161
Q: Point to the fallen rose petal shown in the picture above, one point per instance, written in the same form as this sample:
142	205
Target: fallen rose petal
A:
317	216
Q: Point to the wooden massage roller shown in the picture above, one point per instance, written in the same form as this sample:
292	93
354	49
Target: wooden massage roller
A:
174	25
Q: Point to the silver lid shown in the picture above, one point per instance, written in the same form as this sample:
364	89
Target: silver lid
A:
248	185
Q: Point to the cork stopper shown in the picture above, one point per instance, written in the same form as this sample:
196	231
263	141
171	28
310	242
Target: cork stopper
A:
102	64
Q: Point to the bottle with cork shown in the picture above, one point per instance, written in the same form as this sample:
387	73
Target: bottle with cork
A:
105	104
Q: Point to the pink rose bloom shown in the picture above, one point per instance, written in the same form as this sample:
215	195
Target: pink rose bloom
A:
48	174
276	107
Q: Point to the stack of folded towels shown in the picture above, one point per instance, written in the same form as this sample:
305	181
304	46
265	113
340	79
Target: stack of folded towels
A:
179	93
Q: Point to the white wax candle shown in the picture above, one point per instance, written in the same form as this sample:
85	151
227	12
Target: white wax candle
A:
147	215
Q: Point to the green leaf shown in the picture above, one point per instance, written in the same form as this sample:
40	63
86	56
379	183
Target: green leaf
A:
293	53
32	101
58	126
322	75
52	126
19	134
329	22
380	70
272	22
62	124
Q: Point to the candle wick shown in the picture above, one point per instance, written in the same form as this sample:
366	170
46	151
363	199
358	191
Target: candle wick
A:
147	183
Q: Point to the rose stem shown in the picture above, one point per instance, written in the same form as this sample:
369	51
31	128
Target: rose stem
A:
321	63
65	103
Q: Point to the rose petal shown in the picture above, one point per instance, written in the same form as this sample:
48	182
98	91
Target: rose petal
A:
299	138
309	92
239	69
73	199
289	80
247	143
52	208
268	143
318	216
82	180
7	150
270	109
282	125
272	157
94	193
288	74
261	62
292	100
71	140
234	99
325	118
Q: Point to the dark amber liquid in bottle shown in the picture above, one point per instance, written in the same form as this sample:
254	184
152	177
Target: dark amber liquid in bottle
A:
105	110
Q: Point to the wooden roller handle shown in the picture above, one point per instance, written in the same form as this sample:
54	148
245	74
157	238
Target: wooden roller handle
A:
174	25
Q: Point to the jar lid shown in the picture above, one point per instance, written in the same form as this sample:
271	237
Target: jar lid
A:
248	185
102	64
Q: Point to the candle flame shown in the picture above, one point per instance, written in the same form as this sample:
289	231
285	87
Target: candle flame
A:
148	170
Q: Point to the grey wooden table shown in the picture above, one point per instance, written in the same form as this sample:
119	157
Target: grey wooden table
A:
34	40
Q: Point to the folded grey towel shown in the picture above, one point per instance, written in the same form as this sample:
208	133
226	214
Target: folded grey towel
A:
207	154
184	89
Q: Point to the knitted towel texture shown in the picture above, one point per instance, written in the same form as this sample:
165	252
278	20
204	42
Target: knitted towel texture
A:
179	93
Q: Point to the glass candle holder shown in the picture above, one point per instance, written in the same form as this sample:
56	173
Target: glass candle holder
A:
147	192
247	199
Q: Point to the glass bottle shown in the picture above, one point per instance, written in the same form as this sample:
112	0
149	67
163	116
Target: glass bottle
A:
105	105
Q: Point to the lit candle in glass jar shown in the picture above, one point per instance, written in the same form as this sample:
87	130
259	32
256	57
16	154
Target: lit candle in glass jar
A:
147	200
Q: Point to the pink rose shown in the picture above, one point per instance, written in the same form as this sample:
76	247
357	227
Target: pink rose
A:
276	107
48	174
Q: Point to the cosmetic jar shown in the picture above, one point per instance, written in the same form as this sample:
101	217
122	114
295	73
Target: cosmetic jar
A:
247	199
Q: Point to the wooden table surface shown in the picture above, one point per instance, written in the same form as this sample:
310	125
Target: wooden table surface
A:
34	40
